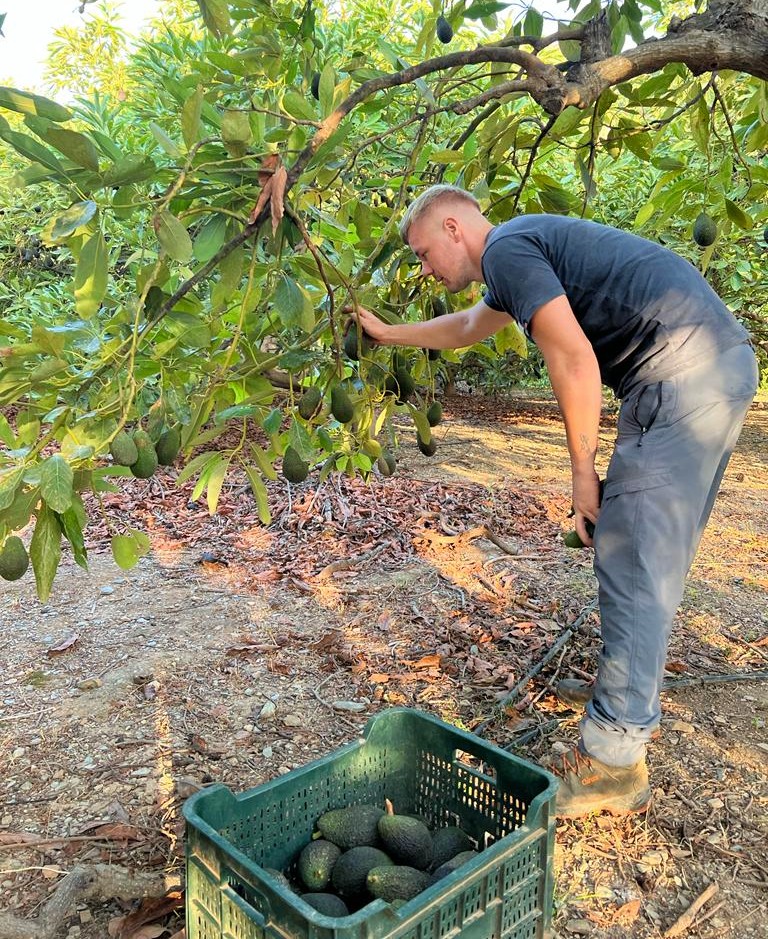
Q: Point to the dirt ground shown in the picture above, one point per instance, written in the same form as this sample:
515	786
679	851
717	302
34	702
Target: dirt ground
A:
234	653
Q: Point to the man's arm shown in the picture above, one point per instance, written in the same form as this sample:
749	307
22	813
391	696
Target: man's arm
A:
575	377
452	331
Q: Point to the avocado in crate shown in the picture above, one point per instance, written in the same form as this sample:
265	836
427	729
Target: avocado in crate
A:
495	808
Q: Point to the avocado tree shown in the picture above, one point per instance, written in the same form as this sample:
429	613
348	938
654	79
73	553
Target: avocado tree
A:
207	233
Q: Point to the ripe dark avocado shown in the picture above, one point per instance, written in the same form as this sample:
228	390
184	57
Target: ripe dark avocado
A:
168	446
353	348
399	882
434	413
450	866
427	447
326	903
405	385
341	406
279	877
146	463
444	30
433	354
315	86
14	560
310	401
295	469
123	449
704	230
406	840
352	826
447	843
387	463
316	863
351	869
438	307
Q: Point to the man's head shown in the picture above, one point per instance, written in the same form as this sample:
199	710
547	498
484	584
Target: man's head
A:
447	231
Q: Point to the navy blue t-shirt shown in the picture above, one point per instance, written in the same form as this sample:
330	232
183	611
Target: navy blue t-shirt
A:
647	312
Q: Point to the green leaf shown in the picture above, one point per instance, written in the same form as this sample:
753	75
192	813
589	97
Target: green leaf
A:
18	514
210	238
421	422
326	87
738	216
511	339
29	148
134	168
293	304
12	99
9	483
300	440
533	23
173	236
56	483
71	524
77	147
200	462
298	106
447	156
215	15
644	214
236	132
167	143
700	125
267	469
73	218
478	11
190	117
260	494
125	551
272	421
45	550
215	482
91	276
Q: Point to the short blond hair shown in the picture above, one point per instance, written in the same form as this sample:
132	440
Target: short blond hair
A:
428	199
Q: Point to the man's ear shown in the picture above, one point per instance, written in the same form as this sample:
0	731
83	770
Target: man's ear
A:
452	227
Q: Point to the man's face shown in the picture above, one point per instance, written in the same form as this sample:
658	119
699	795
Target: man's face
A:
436	240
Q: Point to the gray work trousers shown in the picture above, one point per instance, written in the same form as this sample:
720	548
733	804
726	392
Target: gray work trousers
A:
675	438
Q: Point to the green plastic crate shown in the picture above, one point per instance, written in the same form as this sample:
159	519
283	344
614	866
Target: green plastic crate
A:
423	766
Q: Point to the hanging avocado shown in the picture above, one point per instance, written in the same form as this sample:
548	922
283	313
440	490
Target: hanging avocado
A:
168	446
14	560
427	447
354	348
146	464
704	230
341	406
315	86
310	402
386	463
434	413
295	469
444	30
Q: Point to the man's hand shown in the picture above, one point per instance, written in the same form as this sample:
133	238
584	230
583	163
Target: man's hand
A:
586	503
372	325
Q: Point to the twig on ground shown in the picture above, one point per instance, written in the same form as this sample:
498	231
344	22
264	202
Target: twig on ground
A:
684	921
347	563
104	881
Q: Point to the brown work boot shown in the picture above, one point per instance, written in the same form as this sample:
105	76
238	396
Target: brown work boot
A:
587	785
575	692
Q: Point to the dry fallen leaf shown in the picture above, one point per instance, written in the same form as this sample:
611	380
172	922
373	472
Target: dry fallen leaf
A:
64	645
143	923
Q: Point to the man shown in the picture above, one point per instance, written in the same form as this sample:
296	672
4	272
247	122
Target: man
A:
604	306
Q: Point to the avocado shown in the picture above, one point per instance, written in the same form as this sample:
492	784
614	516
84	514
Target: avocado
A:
123	449
146	463
326	903
433	354
438	307
350	827
341	406
310	402
354	349
316	863
387	463
427	447
704	230
351	870
168	446
315	86
372	448
447	843
14	560
434	414
450	866
406	839
405	385
444	30
572	540
295	469
398	882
